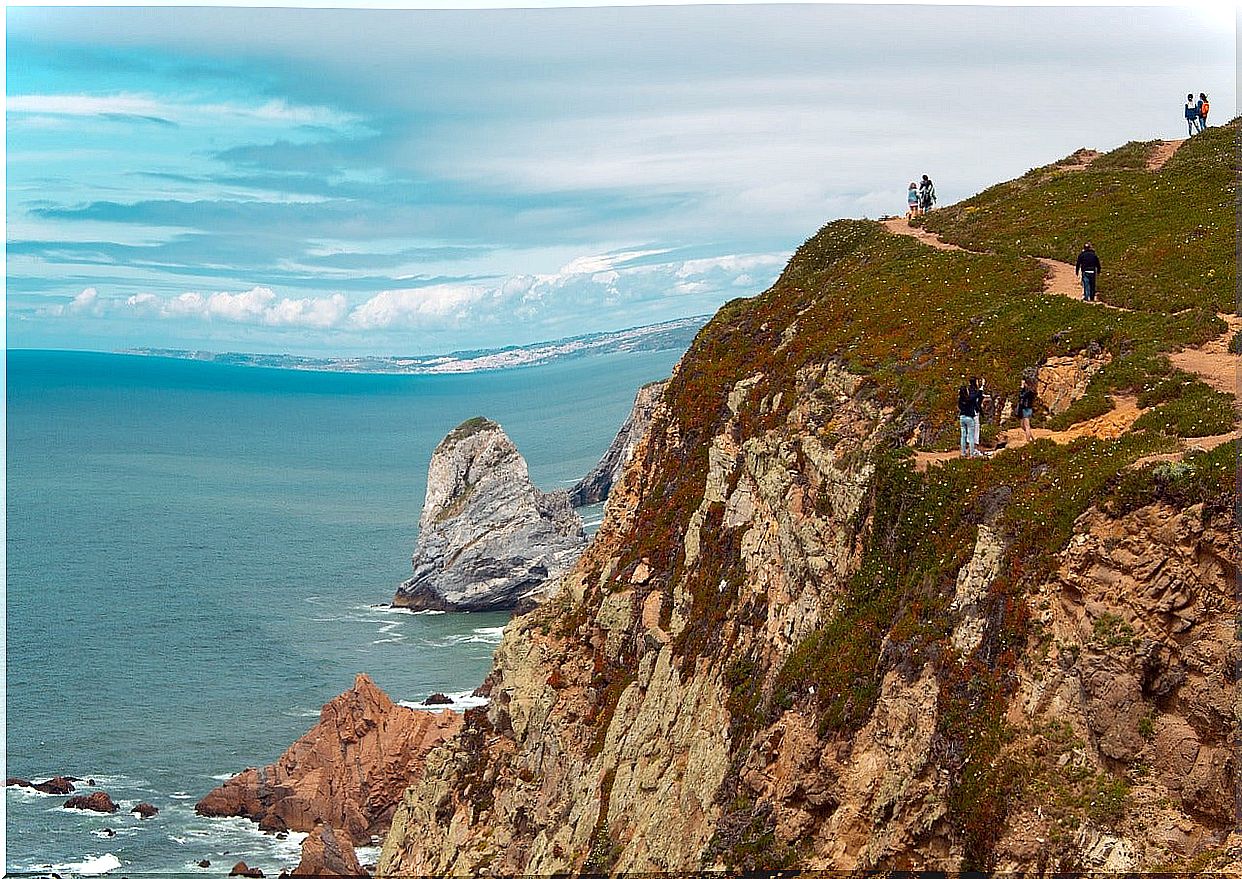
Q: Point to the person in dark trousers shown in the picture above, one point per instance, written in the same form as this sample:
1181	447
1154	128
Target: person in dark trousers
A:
1088	269
1026	406
1192	114
966	419
1203	110
927	194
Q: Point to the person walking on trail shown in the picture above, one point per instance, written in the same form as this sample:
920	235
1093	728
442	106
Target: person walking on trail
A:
1026	406
927	194
1192	114
966	419
1087	268
912	201
1203	110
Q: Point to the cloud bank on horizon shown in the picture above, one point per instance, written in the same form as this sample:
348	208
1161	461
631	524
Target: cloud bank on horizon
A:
400	181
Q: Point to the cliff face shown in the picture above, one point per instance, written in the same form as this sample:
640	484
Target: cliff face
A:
788	647
487	539
595	486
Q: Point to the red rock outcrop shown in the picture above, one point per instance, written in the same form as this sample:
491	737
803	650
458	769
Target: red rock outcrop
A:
96	802
145	810
348	771
241	868
325	853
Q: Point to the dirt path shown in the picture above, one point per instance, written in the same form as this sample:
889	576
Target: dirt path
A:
1212	361
1110	425
1162	153
901	226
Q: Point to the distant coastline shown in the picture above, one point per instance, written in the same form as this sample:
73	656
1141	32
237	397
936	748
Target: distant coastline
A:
655	337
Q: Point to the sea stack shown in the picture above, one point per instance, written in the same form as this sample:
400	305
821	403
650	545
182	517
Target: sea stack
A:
488	539
595	486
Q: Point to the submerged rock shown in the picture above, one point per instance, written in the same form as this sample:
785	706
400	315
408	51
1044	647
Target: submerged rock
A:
145	810
596	485
348	771
437	699
96	802
488	539
327	853
59	785
241	868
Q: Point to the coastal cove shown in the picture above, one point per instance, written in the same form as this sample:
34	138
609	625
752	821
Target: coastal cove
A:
196	554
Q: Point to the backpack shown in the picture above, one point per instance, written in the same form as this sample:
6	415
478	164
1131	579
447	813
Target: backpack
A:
1203	108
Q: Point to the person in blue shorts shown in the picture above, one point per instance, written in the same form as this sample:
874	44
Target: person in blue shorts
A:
1026	406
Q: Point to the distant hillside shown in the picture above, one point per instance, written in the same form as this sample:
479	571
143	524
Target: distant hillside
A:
671	335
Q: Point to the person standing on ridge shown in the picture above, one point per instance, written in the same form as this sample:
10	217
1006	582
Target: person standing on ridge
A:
927	194
1087	267
1203	111
1192	114
912	201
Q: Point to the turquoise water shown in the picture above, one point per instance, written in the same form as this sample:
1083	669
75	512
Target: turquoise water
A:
195	556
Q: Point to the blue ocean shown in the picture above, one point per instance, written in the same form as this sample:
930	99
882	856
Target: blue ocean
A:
198	559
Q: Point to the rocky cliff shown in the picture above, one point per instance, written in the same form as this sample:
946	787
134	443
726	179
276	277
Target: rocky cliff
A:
595	486
487	538
788	646
347	772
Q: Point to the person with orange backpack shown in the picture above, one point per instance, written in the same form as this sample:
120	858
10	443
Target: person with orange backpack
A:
1203	111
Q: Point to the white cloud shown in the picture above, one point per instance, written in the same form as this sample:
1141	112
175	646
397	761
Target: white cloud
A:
412	307
581	289
183	112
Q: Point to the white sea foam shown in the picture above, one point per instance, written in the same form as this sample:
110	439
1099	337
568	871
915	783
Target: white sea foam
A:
181	795
224	776
396	640
461	702
92	865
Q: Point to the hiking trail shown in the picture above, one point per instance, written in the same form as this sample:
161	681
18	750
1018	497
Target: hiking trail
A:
1211	361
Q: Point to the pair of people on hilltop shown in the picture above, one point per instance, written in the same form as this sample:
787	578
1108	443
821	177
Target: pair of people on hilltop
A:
920	197
970	400
1196	113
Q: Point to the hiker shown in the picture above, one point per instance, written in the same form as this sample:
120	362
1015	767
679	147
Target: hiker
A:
1192	114
927	194
912	201
1087	267
976	401
1203	111
966	418
1026	406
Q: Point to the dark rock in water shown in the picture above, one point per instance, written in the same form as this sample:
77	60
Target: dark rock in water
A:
327	853
90	782
17	782
108	831
282	835
437	699
204	863
96	802
596	485
145	810
487	538
242	869
58	785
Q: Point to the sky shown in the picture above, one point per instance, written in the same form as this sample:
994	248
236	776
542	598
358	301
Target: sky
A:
348	181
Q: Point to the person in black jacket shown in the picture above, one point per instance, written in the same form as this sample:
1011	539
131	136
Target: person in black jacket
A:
1026	406
966	417
1088	268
